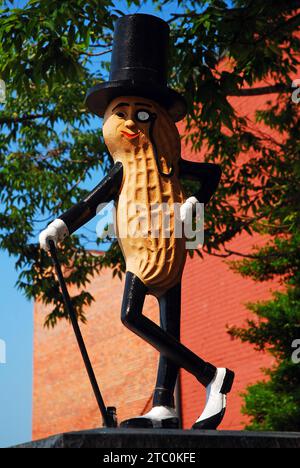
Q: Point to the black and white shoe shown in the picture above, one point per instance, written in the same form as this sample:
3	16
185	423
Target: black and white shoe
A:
159	417
215	405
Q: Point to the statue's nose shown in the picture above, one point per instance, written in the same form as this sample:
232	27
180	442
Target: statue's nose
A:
130	123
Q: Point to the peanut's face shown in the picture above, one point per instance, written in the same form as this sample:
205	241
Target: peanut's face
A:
126	123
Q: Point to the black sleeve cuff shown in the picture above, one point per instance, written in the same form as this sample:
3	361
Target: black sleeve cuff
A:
207	174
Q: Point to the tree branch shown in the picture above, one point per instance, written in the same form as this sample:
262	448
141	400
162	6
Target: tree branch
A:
278	88
230	252
293	5
24	118
101	45
90	54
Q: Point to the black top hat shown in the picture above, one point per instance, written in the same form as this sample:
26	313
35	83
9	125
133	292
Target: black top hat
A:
138	66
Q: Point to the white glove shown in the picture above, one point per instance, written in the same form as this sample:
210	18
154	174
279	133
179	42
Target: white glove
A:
55	231
186	210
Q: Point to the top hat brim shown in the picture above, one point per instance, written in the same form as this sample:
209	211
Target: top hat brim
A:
99	97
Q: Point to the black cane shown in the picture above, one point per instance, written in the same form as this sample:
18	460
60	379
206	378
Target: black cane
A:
107	413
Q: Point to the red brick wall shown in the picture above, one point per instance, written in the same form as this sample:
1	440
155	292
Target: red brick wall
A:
124	365
213	298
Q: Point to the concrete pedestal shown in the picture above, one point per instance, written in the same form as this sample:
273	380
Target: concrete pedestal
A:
167	439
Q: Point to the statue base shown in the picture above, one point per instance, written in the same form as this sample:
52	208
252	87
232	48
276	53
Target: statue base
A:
167	439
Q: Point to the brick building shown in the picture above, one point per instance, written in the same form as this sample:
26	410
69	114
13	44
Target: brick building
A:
213	297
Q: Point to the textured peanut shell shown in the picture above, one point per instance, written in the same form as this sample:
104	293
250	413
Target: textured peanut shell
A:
157	261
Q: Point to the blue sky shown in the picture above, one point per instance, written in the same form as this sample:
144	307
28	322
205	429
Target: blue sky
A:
16	322
16	374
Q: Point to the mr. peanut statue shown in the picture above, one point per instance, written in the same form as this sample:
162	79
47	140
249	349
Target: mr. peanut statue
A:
140	112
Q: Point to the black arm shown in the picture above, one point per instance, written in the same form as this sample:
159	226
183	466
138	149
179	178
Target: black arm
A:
104	192
207	173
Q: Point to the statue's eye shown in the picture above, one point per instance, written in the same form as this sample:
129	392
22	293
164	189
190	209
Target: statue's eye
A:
142	115
120	114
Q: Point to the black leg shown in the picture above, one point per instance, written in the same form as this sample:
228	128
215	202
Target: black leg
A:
169	307
164	342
